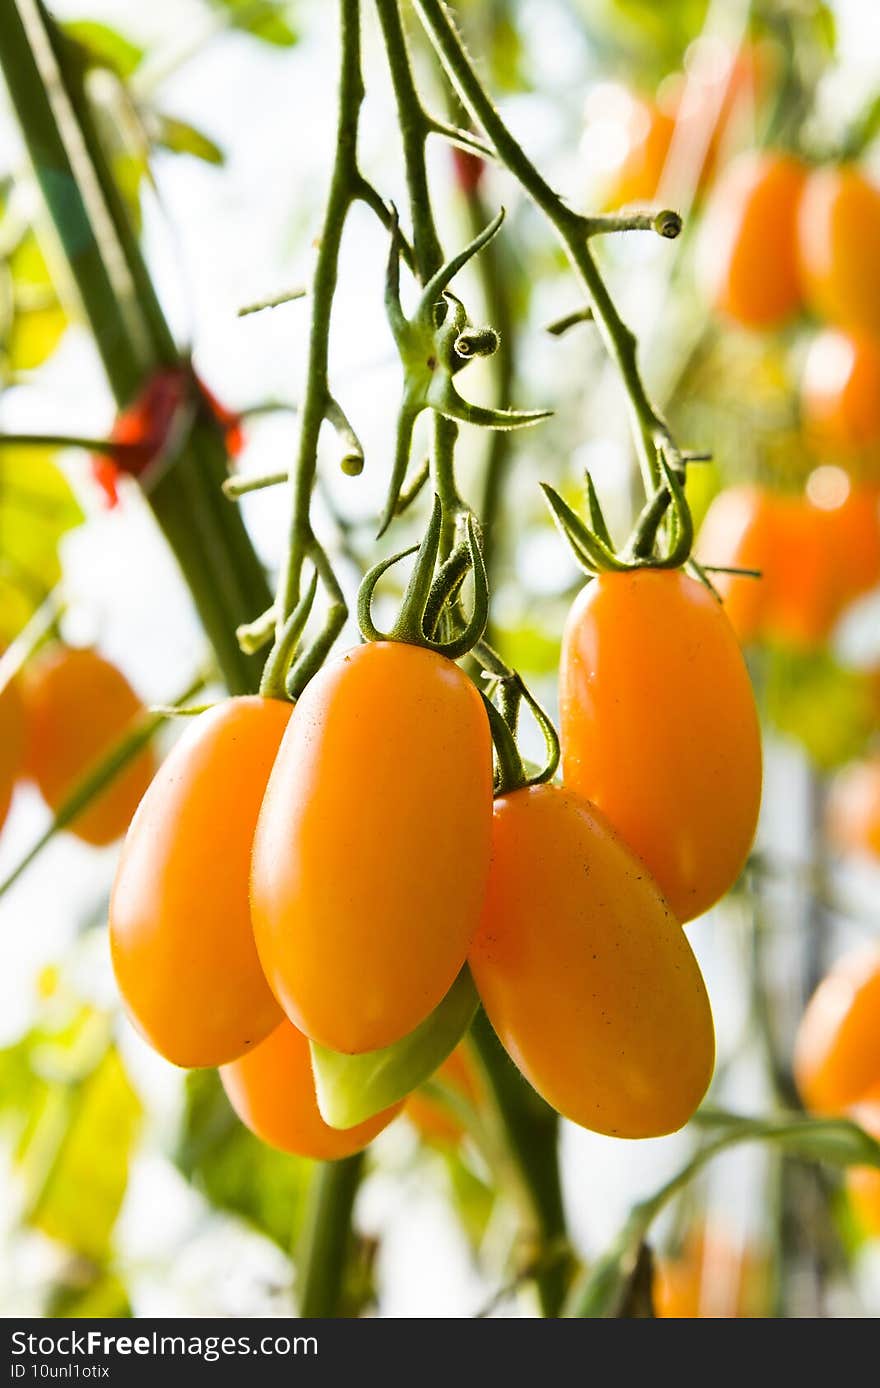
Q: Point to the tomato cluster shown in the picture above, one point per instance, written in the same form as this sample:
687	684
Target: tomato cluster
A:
58	720
322	872
837	1061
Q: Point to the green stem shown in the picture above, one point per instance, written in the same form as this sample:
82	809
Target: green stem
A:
649	429
327	1237
531	1132
98	778
206	535
66	441
836	1139
345	187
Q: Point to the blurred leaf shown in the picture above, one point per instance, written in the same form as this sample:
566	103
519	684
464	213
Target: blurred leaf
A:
37	507
182	138
266	21
472	1199
529	648
649	39
104	47
233	1169
38	319
828	709
89	1292
79	1200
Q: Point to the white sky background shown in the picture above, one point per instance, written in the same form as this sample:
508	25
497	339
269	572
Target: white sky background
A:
218	240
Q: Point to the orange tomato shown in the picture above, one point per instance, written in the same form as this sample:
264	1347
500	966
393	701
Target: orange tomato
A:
805	591
435	1122
659	729
384	774
863	1182
746	257
852	818
11	744
585	974
711	1279
180	927
838	233
837	1049
273	1092
737	532
77	707
627	138
840	391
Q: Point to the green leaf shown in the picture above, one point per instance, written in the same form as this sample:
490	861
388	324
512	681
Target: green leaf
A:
105	47
37	508
78	1201
351	1088
265	21
182	138
236	1172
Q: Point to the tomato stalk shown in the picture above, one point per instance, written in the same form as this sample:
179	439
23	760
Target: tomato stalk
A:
325	1248
651	432
209	541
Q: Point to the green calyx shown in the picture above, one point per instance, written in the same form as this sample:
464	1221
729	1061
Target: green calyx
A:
434	345
505	692
662	537
352	1088
430	602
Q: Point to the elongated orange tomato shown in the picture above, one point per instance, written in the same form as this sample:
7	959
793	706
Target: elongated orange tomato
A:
863	1182
273	1092
383	783
840	391
747	253
585	974
77	707
180	927
659	729
852	818
11	744
838	233
837	1050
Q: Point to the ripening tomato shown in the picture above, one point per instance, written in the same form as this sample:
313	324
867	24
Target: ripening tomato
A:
659	729
627	140
585	974
805	588
180	926
11	744
840	391
713	1278
863	1182
747	258
435	1122
272	1090
852	819
383	779
838	234
737	533
837	1049
77	708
